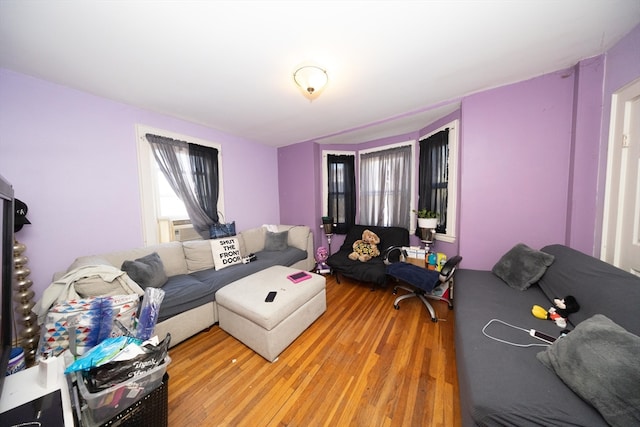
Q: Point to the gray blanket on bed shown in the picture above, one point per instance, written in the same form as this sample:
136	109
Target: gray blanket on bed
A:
599	361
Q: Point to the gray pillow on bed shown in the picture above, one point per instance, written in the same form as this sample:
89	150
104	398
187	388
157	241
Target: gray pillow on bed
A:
276	241
522	266
599	361
147	271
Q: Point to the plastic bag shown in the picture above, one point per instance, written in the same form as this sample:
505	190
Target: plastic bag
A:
149	312
115	372
102	353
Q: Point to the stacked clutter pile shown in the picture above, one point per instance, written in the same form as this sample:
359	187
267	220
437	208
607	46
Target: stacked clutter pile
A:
121	370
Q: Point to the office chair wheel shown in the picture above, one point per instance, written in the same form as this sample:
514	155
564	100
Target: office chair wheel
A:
396	306
434	319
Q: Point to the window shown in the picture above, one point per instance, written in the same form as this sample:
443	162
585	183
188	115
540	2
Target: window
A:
338	190
159	202
169	205
386	185
437	187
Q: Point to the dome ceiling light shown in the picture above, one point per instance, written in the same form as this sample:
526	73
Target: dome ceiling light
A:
311	79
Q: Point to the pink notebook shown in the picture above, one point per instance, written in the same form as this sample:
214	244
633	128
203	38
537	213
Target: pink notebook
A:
299	276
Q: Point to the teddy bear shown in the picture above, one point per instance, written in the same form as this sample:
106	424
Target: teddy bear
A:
559	313
365	248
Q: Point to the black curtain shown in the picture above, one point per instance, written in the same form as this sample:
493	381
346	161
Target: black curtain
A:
342	197
204	169
433	176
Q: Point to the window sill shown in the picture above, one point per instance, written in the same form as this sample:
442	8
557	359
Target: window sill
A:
445	238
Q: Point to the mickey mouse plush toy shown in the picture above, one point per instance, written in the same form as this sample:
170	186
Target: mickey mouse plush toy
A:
560	312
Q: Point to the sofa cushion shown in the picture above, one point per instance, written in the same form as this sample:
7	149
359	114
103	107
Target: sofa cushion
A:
171	254
522	266
597	286
599	361
276	241
88	260
264	259
99	283
97	286
226	252
147	271
184	292
298	235
198	255
252	240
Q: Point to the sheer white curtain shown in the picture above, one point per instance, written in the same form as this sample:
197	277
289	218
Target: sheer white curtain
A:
385	187
174	160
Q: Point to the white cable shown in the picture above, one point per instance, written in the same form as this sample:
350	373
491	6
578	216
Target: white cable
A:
508	342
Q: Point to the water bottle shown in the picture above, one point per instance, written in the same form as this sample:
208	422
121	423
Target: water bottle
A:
431	261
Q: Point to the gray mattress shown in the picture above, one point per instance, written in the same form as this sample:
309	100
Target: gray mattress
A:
510	386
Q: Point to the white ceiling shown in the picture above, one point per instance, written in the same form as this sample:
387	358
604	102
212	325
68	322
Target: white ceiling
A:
394	66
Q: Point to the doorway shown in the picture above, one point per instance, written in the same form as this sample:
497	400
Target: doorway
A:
621	226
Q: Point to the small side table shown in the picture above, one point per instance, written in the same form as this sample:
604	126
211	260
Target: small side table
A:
420	262
24	387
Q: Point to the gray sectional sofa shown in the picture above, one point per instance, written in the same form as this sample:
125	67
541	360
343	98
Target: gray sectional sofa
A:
590	377
189	304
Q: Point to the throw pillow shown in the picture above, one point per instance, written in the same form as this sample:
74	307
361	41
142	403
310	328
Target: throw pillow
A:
147	271
276	241
225	252
198	255
96	286
252	240
599	361
298	235
88	260
522	266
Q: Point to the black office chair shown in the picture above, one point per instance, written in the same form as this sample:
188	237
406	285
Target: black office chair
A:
423	283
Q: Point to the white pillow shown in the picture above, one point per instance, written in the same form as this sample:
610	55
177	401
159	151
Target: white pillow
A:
226	252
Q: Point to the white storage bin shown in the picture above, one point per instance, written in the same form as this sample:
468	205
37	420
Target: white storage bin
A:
105	404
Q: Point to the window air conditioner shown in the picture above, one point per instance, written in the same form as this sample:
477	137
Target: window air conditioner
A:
182	231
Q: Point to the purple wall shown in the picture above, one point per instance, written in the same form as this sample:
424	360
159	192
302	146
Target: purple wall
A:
515	167
528	165
298	178
532	159
583	168
72	158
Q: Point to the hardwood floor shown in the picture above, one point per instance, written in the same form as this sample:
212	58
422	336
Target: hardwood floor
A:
362	363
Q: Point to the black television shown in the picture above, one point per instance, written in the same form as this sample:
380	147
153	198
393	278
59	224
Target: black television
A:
6	253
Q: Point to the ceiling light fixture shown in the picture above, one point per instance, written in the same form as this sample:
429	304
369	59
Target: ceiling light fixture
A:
311	79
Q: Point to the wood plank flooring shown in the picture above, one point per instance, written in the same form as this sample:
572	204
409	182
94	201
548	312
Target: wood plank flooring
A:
362	363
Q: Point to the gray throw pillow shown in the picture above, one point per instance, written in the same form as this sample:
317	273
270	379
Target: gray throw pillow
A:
276	241
599	361
522	266
147	271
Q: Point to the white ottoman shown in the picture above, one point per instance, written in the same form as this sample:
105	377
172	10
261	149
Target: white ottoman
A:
269	327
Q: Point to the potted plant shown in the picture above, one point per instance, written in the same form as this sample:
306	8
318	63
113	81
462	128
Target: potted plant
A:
426	218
